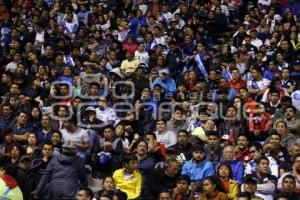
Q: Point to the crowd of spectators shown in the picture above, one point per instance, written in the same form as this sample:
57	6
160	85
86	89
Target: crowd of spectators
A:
154	99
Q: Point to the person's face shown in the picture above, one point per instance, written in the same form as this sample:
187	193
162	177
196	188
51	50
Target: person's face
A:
132	166
141	148
288	185
64	90
213	141
235	74
255	154
224	172
254	74
275	97
102	102
94	90
281	128
81	195
198	155
47	150
108	184
160	126
228	153
22	119
62	112
14	89
108	134
173	169
177	115
263	166
182	138
15	152
275	140
285	74
183	186
35	112
231	112
242	142
45	121
237	103
6	111
55	138
249	187
296	164
9	138
165	196
119	130
289	114
32	139
208	187
209	125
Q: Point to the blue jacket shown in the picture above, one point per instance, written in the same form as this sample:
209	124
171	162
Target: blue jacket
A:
238	169
168	85
198	172
61	176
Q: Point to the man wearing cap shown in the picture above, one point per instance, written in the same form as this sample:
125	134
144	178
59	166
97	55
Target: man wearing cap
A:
165	81
198	167
250	186
295	73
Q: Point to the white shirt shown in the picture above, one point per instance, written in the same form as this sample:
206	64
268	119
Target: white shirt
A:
260	84
168	138
256	42
106	115
143	57
70	140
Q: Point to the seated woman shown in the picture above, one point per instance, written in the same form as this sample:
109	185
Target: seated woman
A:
109	190
212	189
231	187
32	148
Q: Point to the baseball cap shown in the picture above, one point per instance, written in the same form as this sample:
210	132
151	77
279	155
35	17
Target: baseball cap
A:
164	71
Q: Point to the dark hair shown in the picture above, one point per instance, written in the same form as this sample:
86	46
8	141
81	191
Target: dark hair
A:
88	192
292	107
129	157
184	178
226	164
290	177
73	119
216	181
212	133
257	146
48	143
295	157
261	159
183	131
152	134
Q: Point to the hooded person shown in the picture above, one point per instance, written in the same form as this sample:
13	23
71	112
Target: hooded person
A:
60	179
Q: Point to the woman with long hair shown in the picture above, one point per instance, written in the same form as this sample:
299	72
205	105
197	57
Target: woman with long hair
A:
212	189
230	186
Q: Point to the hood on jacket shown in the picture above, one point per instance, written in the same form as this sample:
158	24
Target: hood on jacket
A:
64	159
10	182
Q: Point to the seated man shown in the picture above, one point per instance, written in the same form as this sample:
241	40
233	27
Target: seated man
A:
266	183
289	188
199	166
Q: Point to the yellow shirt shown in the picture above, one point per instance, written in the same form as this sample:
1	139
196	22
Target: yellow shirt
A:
14	194
131	184
129	66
